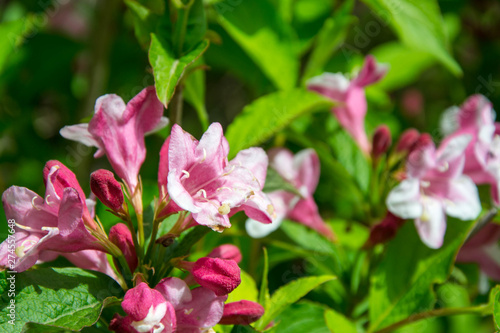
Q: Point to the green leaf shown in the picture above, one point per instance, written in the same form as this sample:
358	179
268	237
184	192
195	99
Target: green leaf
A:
189	25
144	22
303	317
269	114
348	154
496	305
276	182
308	239
259	29
68	298
419	25
405	64
247	290
451	295
337	323
329	38
288	294
242	329
264	289
402	284
194	94
167	69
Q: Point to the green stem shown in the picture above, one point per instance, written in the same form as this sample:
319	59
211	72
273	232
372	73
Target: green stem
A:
479	310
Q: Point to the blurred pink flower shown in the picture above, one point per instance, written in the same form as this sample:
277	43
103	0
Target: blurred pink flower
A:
482	156
57	222
196	176
350	95
302	171
435	186
118	131
484	250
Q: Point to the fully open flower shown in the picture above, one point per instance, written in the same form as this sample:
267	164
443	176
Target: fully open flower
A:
57	222
170	307
302	171
350	94
196	176
435	186
482	156
118	131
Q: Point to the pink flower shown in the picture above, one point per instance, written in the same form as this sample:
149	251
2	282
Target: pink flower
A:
198	178
484	250
118	131
482	156
55	223
241	313
435	186
170	307
350	94
147	311
302	171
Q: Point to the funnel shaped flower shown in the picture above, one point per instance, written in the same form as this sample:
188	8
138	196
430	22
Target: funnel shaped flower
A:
435	186
302	171
54	223
241	313
482	156
350	94
147	311
170	307
118	131
219	275
197	310
198	178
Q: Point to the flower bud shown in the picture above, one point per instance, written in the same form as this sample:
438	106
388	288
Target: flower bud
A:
385	230
226	251
107	189
407	140
241	313
121	236
423	140
381	141
219	275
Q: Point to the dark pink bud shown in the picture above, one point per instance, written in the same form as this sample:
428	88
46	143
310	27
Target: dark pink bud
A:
381	141
219	275
226	251
407	140
104	185
121	236
241	313
424	140
385	230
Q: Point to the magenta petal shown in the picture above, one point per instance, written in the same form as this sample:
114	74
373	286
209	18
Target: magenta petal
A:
226	251
204	311
306	212
139	300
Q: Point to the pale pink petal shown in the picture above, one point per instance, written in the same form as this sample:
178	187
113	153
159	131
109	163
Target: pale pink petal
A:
463	199
80	133
306	162
175	291
431	225
404	200
204	311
